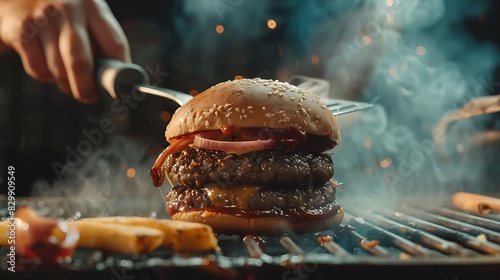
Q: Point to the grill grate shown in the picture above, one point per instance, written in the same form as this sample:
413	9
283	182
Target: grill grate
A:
419	241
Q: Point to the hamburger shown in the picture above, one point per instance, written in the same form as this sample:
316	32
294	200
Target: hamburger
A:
250	156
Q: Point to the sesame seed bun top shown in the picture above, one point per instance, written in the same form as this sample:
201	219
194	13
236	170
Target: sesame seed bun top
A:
254	103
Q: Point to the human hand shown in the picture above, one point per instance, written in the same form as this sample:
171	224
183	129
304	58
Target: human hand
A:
58	39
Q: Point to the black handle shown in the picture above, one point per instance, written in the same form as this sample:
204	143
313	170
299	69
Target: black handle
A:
114	77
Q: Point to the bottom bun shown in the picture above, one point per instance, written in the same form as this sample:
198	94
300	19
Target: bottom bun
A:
227	224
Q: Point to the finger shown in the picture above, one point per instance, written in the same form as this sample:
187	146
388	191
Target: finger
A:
107	32
75	49
28	46
49	37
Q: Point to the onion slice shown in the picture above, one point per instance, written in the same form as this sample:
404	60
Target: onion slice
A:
240	147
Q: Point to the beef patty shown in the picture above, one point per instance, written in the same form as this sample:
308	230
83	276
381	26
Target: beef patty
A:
197	167
253	199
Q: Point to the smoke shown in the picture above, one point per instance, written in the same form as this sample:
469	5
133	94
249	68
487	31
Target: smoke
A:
112	180
417	63
414	60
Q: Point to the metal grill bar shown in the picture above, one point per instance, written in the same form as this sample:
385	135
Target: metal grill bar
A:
488	223
420	237
462	238
456	225
332	247
404	236
370	246
290	246
394	240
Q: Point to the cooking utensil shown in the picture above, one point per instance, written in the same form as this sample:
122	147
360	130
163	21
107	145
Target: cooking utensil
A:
477	106
117	78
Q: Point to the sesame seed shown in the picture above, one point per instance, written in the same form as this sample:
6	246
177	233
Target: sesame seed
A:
227	106
323	106
245	116
237	109
207	123
281	121
243	111
269	115
251	111
249	107
263	108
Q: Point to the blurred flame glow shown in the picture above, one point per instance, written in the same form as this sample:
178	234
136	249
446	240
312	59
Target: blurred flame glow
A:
271	24
368	143
131	173
367	40
165	116
219	29
421	50
386	163
393	71
315	59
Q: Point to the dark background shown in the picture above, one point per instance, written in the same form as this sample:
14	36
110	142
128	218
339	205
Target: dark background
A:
38	123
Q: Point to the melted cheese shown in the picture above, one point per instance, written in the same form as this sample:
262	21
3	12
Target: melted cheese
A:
231	196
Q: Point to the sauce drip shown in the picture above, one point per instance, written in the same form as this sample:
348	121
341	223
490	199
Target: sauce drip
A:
156	172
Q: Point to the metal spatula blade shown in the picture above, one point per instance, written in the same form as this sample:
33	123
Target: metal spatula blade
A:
340	106
321	88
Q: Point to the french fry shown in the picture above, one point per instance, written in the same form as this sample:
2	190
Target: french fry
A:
4	233
115	237
183	237
194	237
